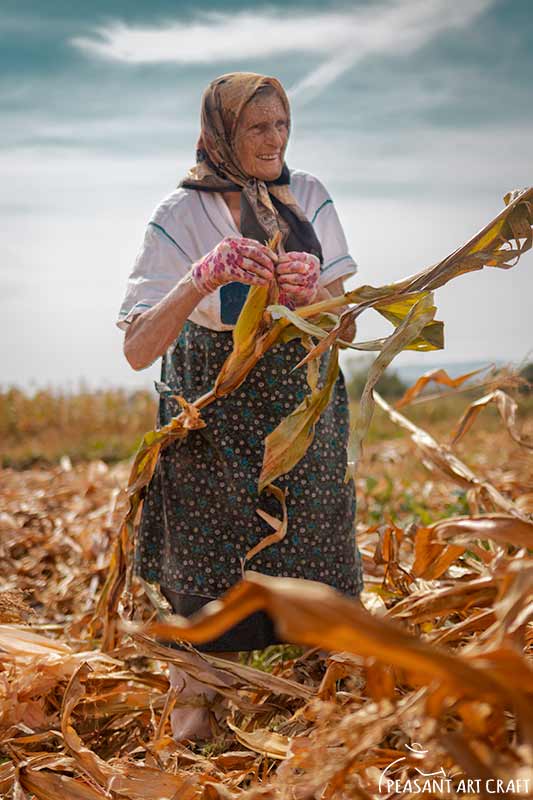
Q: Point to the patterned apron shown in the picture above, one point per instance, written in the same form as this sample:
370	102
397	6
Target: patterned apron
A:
199	515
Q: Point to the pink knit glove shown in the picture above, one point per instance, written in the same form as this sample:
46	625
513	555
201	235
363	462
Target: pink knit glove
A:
234	259
297	275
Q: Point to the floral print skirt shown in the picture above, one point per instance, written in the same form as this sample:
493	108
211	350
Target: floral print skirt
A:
199	515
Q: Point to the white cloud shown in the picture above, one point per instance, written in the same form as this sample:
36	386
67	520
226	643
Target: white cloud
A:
391	29
341	38
217	37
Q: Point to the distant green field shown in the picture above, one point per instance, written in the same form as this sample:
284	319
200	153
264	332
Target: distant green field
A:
42	427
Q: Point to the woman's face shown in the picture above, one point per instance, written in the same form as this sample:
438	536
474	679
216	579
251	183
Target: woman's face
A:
261	137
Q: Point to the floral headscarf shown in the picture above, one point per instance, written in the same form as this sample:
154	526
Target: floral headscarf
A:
266	206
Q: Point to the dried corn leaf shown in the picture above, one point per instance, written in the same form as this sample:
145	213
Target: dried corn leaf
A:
248	675
247	341
507	408
502	528
19	641
280	526
286	445
301	323
490	247
49	786
312	613
427	605
127	780
431	336
432	558
417	318
263	741
437	376
438	455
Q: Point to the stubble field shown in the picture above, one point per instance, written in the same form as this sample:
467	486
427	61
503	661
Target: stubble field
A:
434	671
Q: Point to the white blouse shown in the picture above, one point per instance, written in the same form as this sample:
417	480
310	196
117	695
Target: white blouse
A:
189	223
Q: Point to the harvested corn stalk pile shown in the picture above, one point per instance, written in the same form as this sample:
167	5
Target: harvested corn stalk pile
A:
409	689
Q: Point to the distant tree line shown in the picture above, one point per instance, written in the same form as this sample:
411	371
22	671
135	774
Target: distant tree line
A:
527	374
390	384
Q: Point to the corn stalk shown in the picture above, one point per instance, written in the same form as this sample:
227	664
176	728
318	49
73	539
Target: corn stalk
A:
407	304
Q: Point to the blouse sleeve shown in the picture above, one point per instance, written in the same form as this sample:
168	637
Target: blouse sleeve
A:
160	264
338	263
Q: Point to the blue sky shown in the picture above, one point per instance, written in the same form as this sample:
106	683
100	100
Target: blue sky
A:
417	116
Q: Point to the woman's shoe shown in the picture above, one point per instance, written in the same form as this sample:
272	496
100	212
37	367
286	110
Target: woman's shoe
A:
198	720
190	722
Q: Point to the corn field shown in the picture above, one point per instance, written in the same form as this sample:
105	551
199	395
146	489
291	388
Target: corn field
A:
425	685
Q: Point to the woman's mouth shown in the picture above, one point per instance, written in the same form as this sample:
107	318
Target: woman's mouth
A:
273	157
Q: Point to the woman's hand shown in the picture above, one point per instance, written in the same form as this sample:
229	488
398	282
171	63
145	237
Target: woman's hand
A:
297	275
234	259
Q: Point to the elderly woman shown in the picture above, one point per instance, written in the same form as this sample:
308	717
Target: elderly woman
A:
205	244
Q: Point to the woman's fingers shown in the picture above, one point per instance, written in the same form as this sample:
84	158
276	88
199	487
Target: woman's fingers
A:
297	275
307	258
234	259
258	248
253	275
252	280
269	253
294	280
248	261
258	255
304	263
291	267
253	267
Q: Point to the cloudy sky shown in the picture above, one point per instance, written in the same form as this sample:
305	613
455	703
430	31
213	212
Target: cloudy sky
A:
416	114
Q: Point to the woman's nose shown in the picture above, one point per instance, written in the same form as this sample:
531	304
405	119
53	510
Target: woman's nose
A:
274	137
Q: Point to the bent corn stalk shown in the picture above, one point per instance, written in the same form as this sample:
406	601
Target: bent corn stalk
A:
316	615
407	304
490	247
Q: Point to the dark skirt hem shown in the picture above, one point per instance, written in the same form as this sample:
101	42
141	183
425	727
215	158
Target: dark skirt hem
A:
255	632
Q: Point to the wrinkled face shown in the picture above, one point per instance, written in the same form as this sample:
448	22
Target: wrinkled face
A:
261	137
